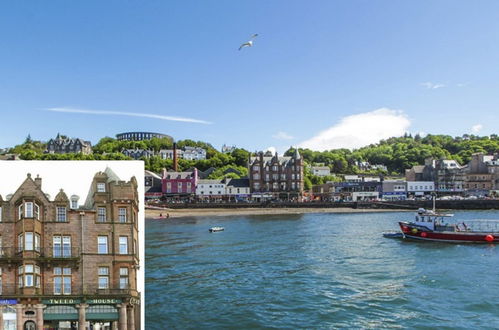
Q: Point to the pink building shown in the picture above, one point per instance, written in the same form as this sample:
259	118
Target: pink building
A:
179	184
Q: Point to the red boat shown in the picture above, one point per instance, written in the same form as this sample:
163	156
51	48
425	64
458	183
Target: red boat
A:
433	226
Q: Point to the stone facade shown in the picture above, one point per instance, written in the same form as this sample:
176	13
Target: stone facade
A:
61	262
279	177
65	145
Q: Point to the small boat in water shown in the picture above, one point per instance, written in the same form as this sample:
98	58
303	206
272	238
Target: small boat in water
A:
393	234
215	229
430	225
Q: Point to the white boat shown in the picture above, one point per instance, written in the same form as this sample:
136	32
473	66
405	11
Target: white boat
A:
215	229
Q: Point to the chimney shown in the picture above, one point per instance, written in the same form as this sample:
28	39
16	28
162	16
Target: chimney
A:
175	164
38	181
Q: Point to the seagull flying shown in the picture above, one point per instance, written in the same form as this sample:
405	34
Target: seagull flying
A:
249	43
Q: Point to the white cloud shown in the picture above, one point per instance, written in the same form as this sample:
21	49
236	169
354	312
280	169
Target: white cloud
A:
431	85
476	128
282	136
131	114
359	130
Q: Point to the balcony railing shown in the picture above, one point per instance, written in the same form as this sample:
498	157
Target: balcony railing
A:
50	290
63	253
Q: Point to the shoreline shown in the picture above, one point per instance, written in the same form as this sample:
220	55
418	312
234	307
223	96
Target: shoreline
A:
221	212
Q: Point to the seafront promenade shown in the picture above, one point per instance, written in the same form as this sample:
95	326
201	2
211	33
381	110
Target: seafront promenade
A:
226	209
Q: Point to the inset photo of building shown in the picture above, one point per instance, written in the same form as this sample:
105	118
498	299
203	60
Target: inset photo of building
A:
71	245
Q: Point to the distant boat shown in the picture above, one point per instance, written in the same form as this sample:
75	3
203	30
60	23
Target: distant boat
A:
215	229
433	226
393	235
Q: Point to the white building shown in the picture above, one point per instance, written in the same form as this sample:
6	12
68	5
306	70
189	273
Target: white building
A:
420	188
210	189
238	189
188	153
321	170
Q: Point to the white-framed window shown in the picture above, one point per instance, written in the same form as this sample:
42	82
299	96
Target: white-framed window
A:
61	214
103	277
61	246
256	168
256	185
123	245
62	280
101	214
28	210
179	187
101	187
102	245
28	241
256	176
274	168
168	187
74	204
0	214
123	278
122	214
28	276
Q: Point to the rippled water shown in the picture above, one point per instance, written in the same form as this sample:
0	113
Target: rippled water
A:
315	271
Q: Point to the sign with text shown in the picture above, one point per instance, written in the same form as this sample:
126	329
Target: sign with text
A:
103	301
8	301
61	301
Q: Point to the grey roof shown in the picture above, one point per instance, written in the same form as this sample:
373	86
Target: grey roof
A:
178	175
221	181
239	183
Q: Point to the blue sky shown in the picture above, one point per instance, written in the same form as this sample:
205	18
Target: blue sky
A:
321	74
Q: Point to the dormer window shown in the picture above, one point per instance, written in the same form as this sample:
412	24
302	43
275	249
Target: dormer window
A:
101	187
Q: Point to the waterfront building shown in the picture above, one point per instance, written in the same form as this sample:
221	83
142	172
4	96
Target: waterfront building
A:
68	266
366	166
139	136
153	185
179	185
449	177
321	170
323	192
354	191
213	190
420	188
481	175
361	178
394	190
238	189
63	145
274	176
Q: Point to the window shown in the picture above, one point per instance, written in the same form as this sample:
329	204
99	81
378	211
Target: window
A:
29	276
103	277
188	187
37	211
102	245
74	204
1	281
168	187
122	214
267	177
123	245
62	280
256	168
0	214
66	246
123	278
28	241
101	187
61	214
20	211
1	249
179	187
256	176
28	211
101	214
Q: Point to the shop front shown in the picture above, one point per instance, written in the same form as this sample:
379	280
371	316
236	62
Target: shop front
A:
96	314
8	315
